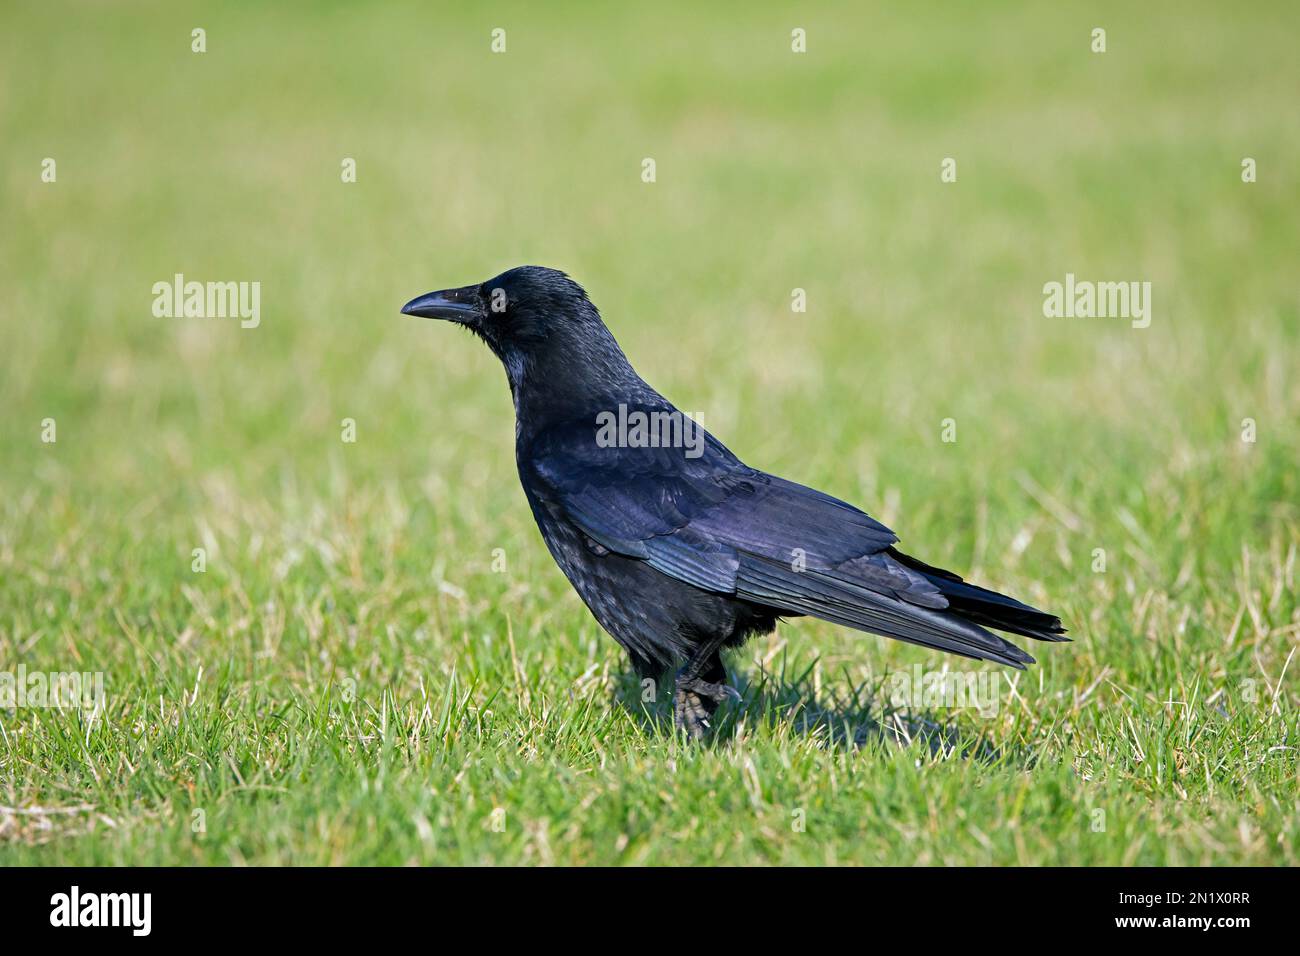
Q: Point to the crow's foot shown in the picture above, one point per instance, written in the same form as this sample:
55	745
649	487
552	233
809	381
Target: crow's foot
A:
694	702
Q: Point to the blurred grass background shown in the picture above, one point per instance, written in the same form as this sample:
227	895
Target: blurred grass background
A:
350	681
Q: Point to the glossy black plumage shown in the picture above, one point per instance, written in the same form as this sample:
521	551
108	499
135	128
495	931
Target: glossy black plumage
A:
680	551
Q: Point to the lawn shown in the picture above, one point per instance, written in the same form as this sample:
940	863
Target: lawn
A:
298	556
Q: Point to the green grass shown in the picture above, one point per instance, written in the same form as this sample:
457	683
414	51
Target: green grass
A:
350	680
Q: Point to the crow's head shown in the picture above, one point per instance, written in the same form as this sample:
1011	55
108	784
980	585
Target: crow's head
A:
533	318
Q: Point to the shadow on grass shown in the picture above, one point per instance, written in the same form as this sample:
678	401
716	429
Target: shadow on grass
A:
787	703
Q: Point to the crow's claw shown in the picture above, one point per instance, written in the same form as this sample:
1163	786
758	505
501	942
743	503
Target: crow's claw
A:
694	702
691	713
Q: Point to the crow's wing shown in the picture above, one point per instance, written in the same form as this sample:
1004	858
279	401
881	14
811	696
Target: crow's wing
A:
715	523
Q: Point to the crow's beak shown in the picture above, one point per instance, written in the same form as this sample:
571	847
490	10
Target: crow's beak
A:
454	305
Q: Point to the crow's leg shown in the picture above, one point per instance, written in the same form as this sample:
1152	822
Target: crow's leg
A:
701	687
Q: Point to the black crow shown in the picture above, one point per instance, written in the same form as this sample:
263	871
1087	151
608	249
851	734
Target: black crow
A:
677	546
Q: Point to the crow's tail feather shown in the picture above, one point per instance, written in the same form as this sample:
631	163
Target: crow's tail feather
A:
840	601
989	608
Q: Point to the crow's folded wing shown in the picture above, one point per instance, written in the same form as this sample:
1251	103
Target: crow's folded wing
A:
713	522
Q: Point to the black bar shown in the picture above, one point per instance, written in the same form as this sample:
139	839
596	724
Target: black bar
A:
334	906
